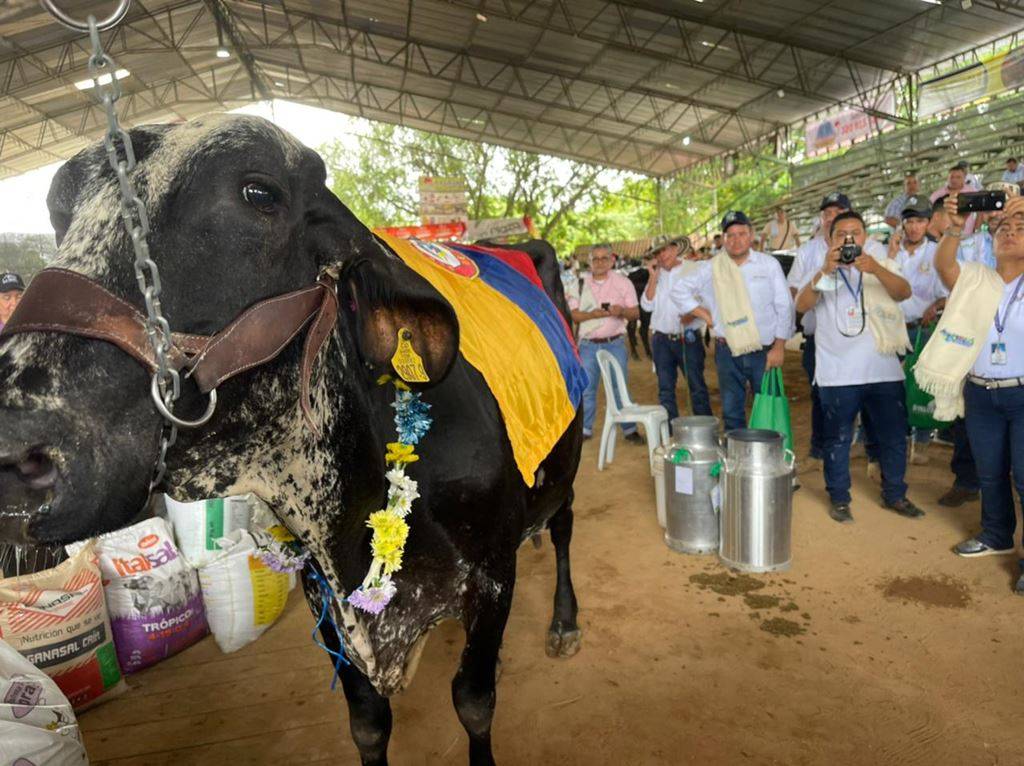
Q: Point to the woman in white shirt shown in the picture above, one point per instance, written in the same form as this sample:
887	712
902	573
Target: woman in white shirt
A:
994	390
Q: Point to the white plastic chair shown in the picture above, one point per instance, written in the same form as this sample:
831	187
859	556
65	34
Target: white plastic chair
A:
652	417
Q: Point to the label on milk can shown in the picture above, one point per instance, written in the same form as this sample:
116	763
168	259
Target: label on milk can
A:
684	480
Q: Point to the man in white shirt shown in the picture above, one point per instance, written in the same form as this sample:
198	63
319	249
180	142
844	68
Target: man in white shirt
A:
1014	173
674	346
772	307
809	254
916	253
716	245
850	372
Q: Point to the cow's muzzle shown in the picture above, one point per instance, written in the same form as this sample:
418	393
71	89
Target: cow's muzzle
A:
28	480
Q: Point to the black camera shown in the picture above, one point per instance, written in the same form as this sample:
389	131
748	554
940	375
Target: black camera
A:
606	306
849	251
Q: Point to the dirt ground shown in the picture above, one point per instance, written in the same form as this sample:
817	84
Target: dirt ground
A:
878	646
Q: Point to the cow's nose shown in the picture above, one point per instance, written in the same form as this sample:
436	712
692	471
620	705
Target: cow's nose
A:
28	480
32	468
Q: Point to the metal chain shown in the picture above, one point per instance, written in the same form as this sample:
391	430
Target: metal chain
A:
121	157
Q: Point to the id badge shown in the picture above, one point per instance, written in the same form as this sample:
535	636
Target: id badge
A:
998	354
854	321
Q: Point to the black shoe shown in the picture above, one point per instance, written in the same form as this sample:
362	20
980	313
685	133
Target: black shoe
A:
841	512
1019	590
634	438
587	436
904	508
957	496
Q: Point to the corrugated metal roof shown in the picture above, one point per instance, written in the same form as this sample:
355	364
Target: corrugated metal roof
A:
618	83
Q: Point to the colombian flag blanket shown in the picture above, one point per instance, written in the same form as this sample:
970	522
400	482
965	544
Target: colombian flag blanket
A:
511	332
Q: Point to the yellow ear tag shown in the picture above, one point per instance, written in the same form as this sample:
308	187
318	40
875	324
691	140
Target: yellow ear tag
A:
407	362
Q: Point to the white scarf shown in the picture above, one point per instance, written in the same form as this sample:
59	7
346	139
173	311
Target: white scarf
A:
959	338
734	307
884	315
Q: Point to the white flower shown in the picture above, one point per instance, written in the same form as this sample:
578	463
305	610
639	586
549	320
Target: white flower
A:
402	491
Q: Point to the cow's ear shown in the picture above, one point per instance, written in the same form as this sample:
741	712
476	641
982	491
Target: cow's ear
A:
72	180
388	300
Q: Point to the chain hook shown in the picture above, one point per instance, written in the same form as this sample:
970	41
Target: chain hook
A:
165	386
83	26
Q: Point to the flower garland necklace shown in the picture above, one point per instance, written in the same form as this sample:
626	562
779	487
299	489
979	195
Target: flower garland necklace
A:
390	529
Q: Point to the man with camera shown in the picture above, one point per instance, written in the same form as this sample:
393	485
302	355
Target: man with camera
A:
742	295
916	252
677	343
976	366
807	258
854	294
603	304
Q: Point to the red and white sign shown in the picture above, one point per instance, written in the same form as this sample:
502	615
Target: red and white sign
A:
845	127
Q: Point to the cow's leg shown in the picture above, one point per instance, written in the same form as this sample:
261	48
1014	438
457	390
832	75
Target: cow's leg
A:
473	688
369	713
564	634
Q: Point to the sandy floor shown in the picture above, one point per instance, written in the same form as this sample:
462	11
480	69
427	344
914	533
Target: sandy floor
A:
878	647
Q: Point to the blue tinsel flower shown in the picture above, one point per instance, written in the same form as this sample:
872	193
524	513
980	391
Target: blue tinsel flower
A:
411	418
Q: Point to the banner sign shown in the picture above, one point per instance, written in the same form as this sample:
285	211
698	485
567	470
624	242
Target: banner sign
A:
992	75
845	127
443	200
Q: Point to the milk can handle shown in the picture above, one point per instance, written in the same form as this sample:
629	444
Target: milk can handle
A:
790	458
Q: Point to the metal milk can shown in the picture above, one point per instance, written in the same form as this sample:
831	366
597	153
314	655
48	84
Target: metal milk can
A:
757	501
658	472
691	485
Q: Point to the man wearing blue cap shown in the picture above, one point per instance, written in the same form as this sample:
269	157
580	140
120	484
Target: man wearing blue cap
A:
11	288
742	295
810	253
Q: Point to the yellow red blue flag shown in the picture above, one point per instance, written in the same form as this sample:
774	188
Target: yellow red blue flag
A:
513	334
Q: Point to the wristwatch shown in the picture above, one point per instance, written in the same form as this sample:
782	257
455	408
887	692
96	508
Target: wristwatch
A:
949	232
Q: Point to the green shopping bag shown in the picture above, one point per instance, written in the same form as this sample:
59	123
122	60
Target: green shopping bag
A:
920	404
771	408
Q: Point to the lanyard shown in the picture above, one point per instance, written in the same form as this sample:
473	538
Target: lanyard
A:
860	285
1001	322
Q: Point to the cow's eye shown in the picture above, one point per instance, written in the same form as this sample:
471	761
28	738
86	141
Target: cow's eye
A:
259	196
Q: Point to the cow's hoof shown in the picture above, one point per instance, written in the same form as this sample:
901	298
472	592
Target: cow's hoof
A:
563	643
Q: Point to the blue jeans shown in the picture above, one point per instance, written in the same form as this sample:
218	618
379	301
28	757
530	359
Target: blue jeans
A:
588	355
962	463
670	356
995	426
887	408
735	373
817	416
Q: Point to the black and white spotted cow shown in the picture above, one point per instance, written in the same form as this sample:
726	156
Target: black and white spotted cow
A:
240	212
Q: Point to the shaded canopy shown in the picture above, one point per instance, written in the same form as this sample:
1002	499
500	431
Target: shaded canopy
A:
620	84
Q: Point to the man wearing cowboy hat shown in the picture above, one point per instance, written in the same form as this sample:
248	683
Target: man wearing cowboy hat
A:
11	288
677	342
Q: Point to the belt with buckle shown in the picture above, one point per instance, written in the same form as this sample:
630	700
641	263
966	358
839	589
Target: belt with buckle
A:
668	335
991	383
602	340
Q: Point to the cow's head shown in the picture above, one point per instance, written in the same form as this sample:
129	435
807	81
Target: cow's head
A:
239	212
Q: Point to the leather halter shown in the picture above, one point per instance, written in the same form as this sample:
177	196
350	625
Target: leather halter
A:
62	301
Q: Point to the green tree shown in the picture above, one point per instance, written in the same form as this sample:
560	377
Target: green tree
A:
379	180
25	254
